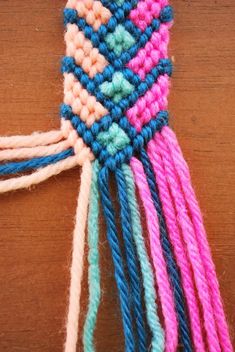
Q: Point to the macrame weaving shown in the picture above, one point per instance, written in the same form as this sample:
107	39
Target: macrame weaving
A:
114	122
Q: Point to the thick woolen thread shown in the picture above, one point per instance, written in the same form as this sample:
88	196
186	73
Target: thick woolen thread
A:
132	262
168	253
159	263
38	151
40	175
178	247
76	270
189	236
93	260
34	163
32	140
122	284
150	295
182	170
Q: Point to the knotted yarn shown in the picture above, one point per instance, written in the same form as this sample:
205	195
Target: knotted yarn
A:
114	125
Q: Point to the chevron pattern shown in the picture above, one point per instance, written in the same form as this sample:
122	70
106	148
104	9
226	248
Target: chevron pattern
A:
116	74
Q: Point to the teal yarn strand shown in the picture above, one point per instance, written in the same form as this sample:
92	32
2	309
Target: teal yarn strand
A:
157	343
93	260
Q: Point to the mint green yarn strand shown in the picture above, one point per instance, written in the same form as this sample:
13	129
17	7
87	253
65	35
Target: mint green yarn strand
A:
93	260
157	343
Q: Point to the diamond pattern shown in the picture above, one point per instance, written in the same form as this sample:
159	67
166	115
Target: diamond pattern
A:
118	88
99	57
120	40
114	139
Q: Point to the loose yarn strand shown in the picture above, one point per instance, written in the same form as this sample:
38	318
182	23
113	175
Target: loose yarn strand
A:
165	291
76	270
157	342
172	268
33	140
121	281
38	176
191	244
178	246
93	260
12	168
132	261
196	215
37	151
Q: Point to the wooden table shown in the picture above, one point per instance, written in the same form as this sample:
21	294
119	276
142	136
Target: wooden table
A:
36	225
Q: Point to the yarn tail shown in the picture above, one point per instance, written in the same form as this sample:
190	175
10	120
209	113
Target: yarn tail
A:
150	294
120	275
196	216
161	276
93	260
76	270
132	266
44	154
189	243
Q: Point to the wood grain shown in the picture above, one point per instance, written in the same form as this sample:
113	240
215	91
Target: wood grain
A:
36	225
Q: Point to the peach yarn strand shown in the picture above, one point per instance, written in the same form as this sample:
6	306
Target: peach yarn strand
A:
32	140
76	270
32	152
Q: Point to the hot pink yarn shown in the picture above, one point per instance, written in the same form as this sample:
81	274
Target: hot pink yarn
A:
150	104
155	49
178	246
190	239
146	11
183	174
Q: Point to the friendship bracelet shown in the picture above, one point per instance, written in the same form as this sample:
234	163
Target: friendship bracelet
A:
114	124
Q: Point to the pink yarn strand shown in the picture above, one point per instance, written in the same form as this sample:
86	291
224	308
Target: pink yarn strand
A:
191	244
179	247
33	140
183	173
76	270
165	291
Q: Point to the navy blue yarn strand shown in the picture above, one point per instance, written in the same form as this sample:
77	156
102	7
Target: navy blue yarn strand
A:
132	261
170	261
122	284
34	163
127	6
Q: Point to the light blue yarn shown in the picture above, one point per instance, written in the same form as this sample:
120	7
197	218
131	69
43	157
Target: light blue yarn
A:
157	343
93	259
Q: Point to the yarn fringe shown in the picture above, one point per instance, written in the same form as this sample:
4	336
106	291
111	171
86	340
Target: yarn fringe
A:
179	267
76	270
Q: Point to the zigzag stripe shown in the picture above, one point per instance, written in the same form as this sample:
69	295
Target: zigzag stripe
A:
97	38
90	133
72	16
81	49
81	102
164	67
154	50
137	141
93	101
150	104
